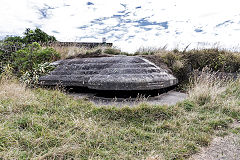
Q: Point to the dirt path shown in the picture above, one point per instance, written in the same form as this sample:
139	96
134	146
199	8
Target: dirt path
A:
221	148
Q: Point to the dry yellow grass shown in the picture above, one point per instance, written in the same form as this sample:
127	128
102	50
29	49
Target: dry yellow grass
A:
11	88
73	51
212	92
15	91
207	87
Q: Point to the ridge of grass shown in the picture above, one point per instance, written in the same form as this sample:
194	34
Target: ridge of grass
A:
47	124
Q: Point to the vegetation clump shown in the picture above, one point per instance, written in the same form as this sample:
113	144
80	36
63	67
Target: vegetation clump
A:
184	63
37	35
26	57
215	59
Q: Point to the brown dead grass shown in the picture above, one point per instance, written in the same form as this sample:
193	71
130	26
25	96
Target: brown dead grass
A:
207	87
74	51
10	88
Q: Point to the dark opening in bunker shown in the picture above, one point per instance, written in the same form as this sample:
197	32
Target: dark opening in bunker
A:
118	94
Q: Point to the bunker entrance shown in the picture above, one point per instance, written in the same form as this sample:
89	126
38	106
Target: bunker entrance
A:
126	94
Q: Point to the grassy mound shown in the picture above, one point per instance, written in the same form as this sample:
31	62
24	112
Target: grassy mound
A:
47	124
183	63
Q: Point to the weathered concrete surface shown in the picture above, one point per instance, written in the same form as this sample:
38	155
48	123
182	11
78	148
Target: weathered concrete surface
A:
110	73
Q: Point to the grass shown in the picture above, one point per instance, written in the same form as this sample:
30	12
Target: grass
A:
48	124
74	51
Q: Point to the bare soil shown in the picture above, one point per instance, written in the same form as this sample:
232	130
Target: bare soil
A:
222	148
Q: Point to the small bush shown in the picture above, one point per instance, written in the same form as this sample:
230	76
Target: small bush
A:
29	58
183	63
31	77
29	63
215	59
37	35
112	51
12	44
24	54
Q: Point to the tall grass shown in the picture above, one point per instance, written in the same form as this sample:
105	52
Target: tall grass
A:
211	91
183	63
150	50
206	86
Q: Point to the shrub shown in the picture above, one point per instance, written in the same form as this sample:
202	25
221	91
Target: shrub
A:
112	51
31	77
23	55
184	63
14	39
177	63
12	44
28	58
215	59
29	61
8	47
37	35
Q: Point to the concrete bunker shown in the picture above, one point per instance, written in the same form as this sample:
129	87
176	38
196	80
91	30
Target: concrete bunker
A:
111	75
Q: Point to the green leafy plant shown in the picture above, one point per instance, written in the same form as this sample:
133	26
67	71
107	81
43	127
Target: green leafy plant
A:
28	58
31	77
37	35
215	59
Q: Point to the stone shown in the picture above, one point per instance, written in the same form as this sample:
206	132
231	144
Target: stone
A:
110	73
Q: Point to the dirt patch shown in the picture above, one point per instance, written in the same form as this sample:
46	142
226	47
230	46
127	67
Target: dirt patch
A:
222	148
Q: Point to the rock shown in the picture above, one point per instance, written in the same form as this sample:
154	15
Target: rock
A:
110	73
